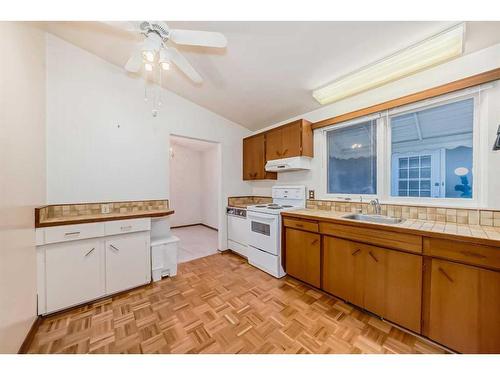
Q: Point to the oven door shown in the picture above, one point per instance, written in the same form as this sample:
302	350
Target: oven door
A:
263	229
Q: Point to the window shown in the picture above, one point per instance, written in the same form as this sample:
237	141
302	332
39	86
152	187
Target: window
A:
352	159
422	151
432	151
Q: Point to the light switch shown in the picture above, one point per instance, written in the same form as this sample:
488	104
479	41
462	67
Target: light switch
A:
105	208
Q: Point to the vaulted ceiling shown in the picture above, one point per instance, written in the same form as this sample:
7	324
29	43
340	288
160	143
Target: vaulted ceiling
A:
268	69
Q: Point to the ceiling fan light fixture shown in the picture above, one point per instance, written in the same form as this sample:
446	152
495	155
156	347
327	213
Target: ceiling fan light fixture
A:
165	65
148	56
428	53
148	67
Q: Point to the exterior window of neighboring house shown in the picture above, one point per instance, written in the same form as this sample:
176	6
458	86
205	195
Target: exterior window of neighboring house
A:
352	159
431	151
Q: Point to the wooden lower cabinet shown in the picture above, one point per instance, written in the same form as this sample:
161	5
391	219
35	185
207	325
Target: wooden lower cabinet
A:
303	256
464	307
343	269
383	281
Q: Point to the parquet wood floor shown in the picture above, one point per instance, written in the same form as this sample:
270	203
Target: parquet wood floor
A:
221	304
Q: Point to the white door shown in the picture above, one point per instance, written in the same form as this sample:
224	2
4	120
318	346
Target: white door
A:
418	174
127	262
74	273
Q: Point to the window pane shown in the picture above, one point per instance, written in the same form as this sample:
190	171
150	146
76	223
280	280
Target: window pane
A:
435	146
352	159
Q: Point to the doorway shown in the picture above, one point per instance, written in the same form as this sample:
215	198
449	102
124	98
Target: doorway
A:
194	195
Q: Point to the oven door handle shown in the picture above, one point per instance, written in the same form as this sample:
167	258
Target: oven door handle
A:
256	216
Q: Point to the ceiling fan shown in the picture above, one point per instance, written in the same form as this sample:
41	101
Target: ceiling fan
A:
154	48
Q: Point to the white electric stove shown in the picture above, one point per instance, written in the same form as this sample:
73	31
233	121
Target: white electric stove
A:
264	225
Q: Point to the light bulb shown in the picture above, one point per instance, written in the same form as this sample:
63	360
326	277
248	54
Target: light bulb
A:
148	55
148	67
165	65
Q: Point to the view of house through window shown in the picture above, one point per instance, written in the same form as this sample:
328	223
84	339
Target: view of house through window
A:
432	152
352	159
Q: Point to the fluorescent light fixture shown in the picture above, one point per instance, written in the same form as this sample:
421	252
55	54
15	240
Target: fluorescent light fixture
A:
432	51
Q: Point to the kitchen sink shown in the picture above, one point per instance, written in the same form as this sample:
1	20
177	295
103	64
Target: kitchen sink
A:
374	218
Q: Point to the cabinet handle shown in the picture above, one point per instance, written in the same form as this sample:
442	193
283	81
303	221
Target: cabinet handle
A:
356	251
71	233
128	227
314	242
373	256
278	153
284	152
90	251
299	225
445	275
114	248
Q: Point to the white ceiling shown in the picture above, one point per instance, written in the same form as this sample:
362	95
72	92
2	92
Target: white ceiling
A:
267	72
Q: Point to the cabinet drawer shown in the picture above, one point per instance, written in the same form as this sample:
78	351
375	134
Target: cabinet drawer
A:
126	226
301	224
380	237
469	253
73	232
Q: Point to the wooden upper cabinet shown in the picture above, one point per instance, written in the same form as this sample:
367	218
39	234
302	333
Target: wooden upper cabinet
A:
293	139
254	159
303	259
463	307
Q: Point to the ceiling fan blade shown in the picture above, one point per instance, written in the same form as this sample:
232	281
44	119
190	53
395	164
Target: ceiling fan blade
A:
124	25
184	65
198	38
134	63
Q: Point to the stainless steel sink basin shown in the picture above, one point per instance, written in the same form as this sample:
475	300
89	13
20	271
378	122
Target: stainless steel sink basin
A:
374	218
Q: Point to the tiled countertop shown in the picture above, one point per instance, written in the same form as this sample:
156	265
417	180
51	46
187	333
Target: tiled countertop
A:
486	235
81	219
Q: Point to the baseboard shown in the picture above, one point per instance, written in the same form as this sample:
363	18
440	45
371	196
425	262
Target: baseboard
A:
28	340
194	225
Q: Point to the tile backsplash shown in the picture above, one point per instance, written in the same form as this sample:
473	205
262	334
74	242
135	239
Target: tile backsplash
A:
84	209
247	200
440	214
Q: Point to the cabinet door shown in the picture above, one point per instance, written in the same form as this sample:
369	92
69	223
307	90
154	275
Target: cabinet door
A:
375	280
343	269
393	285
274	149
303	260
291	136
254	159
464	307
127	262
74	273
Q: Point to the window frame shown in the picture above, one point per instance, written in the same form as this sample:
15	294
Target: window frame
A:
384	154
324	162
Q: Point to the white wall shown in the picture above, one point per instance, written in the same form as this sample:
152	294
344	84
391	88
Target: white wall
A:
194	185
480	61
90	159
185	186
22	175
210	172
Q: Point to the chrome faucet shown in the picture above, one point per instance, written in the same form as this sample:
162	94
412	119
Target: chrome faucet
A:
376	206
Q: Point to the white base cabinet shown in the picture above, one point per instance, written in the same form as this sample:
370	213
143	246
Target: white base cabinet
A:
72	272
127	262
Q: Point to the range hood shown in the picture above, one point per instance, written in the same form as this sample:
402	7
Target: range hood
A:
296	163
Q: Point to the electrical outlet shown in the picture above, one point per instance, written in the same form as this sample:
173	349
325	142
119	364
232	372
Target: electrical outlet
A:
311	194
105	208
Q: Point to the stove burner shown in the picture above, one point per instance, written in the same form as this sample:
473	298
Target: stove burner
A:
274	207
273	204
286	206
261	206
